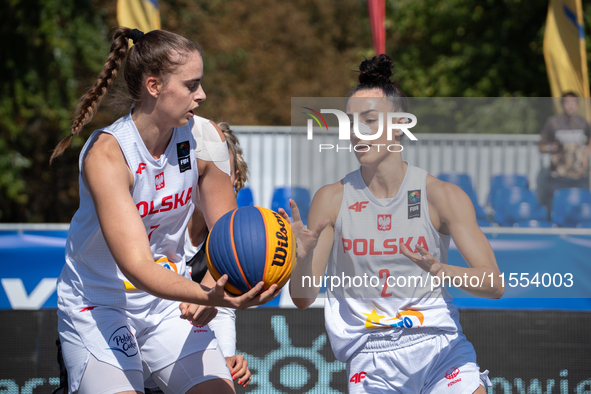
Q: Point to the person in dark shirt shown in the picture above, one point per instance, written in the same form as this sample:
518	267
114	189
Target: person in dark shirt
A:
567	137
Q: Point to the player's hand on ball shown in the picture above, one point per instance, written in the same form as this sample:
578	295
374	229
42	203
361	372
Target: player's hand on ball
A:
424	259
199	315
239	369
255	296
306	239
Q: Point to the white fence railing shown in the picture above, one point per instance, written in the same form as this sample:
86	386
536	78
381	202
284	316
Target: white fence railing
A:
279	155
49	228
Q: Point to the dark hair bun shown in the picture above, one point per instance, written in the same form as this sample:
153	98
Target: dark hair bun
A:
376	71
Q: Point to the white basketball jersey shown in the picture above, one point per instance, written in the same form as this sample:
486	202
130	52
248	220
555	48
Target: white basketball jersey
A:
387	292
164	191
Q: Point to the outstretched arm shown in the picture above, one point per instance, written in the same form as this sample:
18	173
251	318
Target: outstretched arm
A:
451	209
314	246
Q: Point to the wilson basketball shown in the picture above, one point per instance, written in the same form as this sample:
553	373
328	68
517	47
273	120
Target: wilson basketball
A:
251	244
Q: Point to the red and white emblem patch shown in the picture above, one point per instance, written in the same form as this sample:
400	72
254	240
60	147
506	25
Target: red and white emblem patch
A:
384	222
452	373
160	181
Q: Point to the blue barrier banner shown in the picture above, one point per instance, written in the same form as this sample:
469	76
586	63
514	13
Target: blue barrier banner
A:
541	271
537	266
289	352
31	263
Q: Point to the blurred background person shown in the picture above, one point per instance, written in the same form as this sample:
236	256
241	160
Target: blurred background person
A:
567	138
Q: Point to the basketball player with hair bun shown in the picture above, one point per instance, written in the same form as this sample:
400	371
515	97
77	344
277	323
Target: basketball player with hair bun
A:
120	290
394	340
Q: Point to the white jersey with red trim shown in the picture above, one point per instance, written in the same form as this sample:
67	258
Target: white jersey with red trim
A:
386	292
163	190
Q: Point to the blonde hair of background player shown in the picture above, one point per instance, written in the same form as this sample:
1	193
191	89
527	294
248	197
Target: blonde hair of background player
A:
198	229
239	167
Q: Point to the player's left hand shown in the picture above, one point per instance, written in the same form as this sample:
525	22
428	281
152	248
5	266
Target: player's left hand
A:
199	315
425	260
239	369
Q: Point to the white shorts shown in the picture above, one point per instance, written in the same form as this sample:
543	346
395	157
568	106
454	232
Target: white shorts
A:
178	377
141	341
422	361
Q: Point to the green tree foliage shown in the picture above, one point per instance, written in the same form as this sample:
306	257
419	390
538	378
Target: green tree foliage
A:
258	54
468	48
50	50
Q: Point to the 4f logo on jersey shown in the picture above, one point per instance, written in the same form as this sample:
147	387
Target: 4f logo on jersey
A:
160	181
358	377
414	204
183	151
358	206
140	168
384	222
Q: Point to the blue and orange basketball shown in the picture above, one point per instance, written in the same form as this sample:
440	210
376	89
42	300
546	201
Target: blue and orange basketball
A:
251	244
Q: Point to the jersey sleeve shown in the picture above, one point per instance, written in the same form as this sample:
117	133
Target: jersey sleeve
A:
209	145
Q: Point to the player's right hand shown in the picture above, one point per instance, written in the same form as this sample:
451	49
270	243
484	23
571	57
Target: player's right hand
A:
199	315
239	369
255	296
306	238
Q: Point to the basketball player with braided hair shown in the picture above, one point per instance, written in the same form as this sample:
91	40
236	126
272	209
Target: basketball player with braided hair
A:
120	290
394	339
224	323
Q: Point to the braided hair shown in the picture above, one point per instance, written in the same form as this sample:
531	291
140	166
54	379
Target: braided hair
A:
240	165
156	53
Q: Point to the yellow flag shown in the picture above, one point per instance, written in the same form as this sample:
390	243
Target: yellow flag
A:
138	14
564	48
